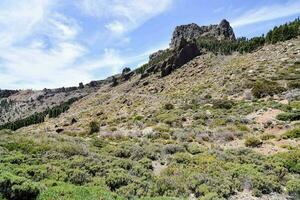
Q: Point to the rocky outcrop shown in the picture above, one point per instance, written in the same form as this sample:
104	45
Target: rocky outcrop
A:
185	52
171	59
222	31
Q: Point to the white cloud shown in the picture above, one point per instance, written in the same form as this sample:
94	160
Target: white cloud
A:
266	13
110	59
40	46
19	18
115	27
124	16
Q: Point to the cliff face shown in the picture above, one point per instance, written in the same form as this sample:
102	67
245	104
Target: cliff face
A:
222	31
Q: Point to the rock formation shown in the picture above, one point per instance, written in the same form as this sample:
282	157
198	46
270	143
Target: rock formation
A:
222	31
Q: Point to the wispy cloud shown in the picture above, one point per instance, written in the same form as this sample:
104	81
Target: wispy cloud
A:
38	48
124	16
267	13
42	47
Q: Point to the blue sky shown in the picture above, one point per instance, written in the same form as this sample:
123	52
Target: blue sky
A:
55	43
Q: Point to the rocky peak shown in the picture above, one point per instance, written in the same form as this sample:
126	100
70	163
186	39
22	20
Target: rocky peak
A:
222	31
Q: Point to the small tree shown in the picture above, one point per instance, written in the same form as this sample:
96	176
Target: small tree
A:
94	127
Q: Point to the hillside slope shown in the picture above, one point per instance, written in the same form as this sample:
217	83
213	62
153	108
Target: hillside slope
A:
190	124
195	91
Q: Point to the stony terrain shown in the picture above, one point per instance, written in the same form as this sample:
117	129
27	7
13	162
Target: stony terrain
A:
190	124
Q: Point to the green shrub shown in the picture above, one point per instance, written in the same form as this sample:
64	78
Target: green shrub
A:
290	160
168	118
172	149
162	128
293	187
243	128
94	127
290	116
123	152
223	104
293	84
72	192
294	133
138	118
117	179
168	106
195	148
70	148
18	188
267	137
78	176
252	142
210	196
262	88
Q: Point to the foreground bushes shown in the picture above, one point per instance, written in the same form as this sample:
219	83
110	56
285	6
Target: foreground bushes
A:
73	168
17	188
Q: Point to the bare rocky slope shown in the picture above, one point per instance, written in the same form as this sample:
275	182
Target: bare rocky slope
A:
203	82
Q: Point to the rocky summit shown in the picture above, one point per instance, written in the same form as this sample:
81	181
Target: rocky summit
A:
222	31
211	117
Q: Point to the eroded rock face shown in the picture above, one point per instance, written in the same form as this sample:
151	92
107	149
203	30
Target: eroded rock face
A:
184	52
222	31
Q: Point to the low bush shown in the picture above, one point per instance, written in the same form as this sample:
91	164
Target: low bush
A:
78	176
289	116
18	188
172	149
293	188
168	118
293	84
267	137
168	106
117	179
194	148
252	142
223	104
263	88
290	160
72	192
94	127
294	133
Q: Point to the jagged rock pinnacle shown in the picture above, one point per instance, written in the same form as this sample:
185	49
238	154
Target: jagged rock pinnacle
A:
223	31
